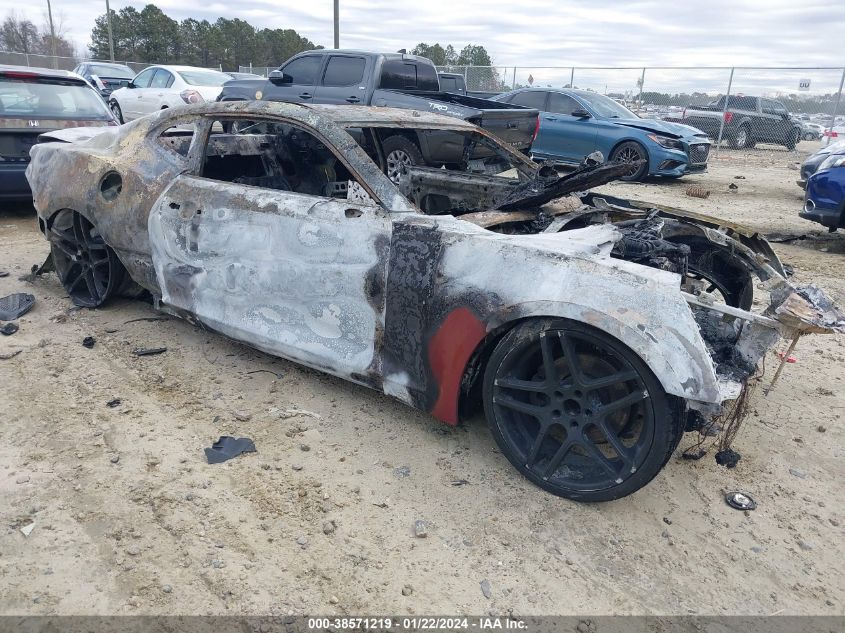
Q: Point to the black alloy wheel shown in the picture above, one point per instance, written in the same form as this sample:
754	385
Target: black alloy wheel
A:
629	152
577	412
88	268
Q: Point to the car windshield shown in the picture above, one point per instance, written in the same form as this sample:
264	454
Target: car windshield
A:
49	99
204	77
116	72
605	106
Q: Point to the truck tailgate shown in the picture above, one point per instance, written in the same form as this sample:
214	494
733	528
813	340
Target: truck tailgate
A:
515	125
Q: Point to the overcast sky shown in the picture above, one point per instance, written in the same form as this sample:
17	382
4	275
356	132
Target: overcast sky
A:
541	32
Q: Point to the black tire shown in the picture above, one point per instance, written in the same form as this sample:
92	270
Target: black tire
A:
88	268
809	136
399	153
794	139
741	138
716	267
627	152
600	429
118	113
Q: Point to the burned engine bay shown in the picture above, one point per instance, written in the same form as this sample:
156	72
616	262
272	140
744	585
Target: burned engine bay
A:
717	262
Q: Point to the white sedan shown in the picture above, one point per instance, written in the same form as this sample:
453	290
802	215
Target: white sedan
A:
159	87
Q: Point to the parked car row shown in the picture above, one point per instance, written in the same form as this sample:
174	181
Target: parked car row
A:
823	178
571	123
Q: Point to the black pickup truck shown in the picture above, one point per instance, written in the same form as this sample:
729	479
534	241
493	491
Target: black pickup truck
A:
747	121
386	79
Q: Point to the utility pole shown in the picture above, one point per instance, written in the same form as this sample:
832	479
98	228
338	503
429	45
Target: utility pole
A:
111	38
52	35
337	23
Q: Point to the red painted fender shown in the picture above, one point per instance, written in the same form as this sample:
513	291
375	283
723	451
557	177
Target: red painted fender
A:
449	352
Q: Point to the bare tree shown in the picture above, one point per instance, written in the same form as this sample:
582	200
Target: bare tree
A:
19	35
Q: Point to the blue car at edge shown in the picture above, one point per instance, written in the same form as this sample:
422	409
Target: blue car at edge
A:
575	123
824	201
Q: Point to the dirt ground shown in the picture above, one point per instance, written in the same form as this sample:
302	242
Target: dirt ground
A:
127	517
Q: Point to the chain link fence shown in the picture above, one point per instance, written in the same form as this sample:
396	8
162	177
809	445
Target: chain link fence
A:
56	62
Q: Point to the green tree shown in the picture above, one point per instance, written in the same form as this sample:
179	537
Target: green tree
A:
151	36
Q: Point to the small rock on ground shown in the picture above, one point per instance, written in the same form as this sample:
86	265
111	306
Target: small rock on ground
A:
486	589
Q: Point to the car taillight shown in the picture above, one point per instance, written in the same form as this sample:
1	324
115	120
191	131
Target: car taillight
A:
831	134
191	96
19	75
536	130
729	116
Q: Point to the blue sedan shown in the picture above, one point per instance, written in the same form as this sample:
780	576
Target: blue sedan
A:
824	201
574	123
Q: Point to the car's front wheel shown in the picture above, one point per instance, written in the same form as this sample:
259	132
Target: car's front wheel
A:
577	412
630	152
116	111
88	268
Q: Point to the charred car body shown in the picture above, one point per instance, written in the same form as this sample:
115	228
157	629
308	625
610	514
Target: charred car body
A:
275	224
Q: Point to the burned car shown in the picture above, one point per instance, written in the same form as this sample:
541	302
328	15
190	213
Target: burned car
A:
591	330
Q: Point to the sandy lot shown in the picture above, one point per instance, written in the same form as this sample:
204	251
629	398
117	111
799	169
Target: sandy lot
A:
127	517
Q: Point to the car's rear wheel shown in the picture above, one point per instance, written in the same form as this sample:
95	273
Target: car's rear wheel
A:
740	138
577	412
116	111
399	154
794	139
629	152
88	268
809	136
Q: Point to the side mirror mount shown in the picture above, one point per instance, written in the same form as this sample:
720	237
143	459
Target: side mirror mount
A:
131	84
278	78
580	113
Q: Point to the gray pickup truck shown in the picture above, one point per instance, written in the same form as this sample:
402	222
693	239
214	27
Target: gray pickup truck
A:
747	121
387	79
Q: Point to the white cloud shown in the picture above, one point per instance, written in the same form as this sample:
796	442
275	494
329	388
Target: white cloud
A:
547	32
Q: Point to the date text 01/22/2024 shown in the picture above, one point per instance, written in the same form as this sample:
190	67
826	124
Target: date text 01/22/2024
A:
419	623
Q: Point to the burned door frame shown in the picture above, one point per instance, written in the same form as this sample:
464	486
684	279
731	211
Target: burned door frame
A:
304	277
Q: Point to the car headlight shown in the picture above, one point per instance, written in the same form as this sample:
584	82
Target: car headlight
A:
665	141
837	160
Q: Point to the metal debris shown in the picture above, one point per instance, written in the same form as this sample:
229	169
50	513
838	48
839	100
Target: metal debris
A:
697	191
8	329
740	501
149	351
88	342
15	305
228	447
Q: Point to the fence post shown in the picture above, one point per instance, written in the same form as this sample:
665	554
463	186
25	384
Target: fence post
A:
513	83
572	78
838	100
466	82
724	110
27	60
640	96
